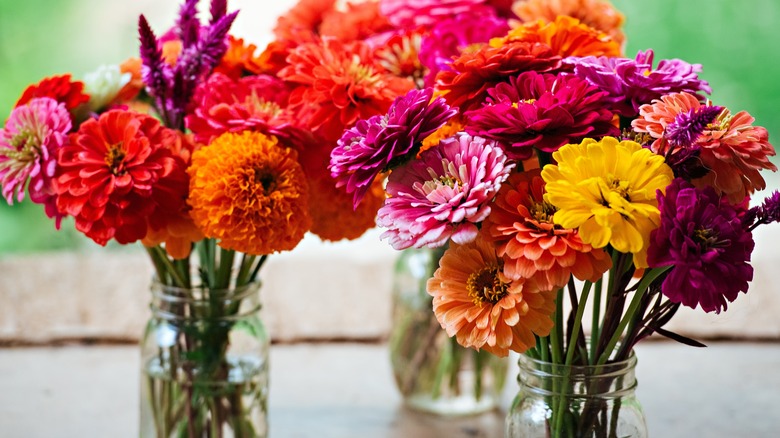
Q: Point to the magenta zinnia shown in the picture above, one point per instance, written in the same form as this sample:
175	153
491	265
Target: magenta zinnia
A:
443	194
702	237
542	111
381	142
28	150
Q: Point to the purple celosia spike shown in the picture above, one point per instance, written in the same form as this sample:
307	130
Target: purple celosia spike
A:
154	69
213	46
188	26
218	10
766	213
689	125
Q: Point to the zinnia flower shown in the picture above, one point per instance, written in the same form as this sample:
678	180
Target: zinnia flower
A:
337	84
451	37
472	74
60	88
29	144
249	193
118	173
541	111
598	14
417	13
399	55
730	147
474	302
607	189
357	21
104	84
632	83
252	103
303	18
565	35
443	194
332	212
531	245
703	239
381	142
239	60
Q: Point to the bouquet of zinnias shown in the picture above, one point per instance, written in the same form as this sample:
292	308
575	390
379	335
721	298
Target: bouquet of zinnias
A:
561	175
212	156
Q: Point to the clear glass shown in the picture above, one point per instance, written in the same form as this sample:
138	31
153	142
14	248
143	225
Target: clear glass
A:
559	401
204	364
432	371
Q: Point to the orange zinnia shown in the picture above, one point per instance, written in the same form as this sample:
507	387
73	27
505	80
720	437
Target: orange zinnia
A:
595	13
303	18
531	245
338	84
566	36
240	60
357	22
250	193
333	217
474	302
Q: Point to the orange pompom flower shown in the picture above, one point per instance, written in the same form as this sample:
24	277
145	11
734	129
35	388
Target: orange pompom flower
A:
567	36
598	14
531	245
250	193
476	303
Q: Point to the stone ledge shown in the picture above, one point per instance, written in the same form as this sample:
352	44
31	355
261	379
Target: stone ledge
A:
319	291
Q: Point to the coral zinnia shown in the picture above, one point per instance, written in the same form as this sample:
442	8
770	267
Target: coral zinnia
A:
443	194
730	147
701	236
632	83
29	144
60	88
239	60
338	84
381	142
256	103
598	14
474	302
531	245
541	111
303	18
357	22
566	36
119	172
250	193
472	74
607	189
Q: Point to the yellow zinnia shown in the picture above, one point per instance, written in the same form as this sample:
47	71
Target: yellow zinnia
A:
250	193
607	189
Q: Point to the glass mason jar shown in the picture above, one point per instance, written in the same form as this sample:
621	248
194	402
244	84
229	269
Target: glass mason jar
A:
432	371
204	358
559	401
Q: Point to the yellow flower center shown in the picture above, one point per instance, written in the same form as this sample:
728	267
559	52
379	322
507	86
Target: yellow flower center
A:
115	158
707	238
25	148
617	186
258	105
485	285
526	101
542	212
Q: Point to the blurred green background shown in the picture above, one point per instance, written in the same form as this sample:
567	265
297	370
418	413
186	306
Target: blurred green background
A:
738	43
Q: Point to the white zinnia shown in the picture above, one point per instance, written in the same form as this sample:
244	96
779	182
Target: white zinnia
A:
104	84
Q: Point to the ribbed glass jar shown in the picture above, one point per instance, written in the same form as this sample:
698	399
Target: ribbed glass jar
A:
432	371
559	401
204	364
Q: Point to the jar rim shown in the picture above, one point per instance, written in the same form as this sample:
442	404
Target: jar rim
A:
199	292
528	362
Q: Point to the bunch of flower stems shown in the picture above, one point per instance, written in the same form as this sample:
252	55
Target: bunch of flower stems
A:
625	310
197	400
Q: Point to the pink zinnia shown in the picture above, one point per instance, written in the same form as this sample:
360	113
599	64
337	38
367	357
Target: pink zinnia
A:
252	103
415	13
28	150
443	194
542	111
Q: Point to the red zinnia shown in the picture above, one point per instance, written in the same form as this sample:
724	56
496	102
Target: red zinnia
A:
60	88
119	172
339	84
472	74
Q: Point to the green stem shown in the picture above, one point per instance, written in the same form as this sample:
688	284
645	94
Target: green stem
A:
647	279
594	330
578	322
164	264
